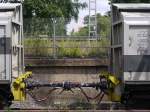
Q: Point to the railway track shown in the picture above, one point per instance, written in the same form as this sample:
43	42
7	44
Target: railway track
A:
47	110
103	107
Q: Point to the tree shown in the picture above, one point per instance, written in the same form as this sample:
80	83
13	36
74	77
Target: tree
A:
41	15
82	32
103	26
52	8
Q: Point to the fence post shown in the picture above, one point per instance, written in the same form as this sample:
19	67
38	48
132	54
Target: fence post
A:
54	38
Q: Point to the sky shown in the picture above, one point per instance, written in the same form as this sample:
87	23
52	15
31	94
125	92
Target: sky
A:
102	7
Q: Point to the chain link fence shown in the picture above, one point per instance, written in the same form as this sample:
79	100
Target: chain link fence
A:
46	37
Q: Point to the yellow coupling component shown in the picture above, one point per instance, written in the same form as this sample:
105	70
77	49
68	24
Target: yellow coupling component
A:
19	86
114	86
110	77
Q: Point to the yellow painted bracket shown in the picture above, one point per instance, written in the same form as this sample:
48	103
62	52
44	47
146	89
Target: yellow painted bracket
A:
112	78
19	86
114	91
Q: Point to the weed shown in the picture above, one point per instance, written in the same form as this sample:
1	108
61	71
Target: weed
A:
65	48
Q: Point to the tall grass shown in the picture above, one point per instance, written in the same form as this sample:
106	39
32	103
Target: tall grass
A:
66	48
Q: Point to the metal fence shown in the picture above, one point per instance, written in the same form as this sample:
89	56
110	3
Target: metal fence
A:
54	27
45	37
44	27
65	48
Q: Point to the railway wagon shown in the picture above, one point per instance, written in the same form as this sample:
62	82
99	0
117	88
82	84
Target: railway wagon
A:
130	51
11	48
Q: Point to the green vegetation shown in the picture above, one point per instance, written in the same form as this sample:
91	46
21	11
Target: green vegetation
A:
44	27
52	8
41	15
103	26
66	48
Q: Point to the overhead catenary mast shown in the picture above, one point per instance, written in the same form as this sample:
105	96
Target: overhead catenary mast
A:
93	19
